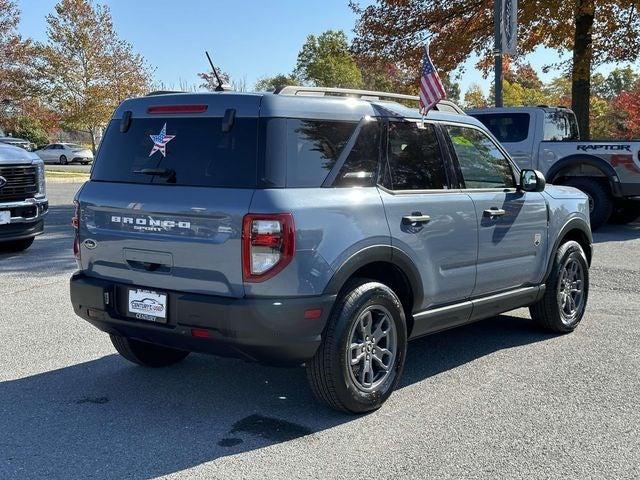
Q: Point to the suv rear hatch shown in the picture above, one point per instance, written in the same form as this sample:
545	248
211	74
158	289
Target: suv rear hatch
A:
167	195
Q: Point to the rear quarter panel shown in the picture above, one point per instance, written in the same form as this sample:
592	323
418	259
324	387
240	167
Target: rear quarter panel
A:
331	225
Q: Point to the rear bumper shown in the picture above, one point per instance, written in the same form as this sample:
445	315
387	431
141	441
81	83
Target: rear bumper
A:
271	330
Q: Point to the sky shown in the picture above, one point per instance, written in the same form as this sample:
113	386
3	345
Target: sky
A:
248	39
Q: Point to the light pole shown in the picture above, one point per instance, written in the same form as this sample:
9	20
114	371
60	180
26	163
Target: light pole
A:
497	51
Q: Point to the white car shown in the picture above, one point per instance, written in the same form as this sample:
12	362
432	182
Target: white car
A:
64	153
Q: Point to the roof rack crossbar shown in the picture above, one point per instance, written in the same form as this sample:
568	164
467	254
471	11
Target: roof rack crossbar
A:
351	92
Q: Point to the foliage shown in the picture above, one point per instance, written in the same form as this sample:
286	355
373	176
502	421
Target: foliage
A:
86	69
269	84
474	97
599	32
210	82
325	60
16	74
29	128
628	106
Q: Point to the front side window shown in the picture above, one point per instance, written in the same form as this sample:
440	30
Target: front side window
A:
482	164
415	158
507	127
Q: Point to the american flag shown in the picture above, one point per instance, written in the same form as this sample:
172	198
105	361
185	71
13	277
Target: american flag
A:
160	141
431	89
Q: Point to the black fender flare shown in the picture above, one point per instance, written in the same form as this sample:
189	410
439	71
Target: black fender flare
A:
574	223
596	162
378	253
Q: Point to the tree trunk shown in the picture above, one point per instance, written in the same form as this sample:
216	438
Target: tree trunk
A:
581	69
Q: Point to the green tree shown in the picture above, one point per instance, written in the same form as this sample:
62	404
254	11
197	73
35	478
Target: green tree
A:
269	84
29	128
86	69
326	61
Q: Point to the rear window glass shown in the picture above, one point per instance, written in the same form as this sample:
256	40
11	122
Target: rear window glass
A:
313	146
360	169
188	151
507	127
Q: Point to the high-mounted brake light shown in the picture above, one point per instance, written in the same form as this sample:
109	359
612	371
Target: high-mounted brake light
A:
173	109
268	245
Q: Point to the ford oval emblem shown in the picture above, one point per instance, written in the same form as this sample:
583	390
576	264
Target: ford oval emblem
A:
3	182
90	243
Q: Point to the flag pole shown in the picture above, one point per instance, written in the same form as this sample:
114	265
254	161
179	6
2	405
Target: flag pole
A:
497	51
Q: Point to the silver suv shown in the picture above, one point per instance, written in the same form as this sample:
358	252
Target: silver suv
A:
316	226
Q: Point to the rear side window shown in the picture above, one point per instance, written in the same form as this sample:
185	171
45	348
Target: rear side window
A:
507	127
415	158
560	126
313	146
195	152
481	162
360	169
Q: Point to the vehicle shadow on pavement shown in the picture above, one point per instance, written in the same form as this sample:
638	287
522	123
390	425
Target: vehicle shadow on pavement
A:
51	252
617	233
106	418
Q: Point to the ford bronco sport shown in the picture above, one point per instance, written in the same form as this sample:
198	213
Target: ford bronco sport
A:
316	226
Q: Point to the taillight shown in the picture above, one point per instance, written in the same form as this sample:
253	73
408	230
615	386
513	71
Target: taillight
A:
268	245
75	222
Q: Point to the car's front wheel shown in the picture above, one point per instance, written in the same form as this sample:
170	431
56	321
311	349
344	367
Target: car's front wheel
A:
567	289
147	354
63	160
362	355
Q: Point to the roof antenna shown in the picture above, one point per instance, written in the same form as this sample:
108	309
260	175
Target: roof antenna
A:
220	87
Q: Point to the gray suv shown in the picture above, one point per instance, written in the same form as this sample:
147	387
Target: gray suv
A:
316	226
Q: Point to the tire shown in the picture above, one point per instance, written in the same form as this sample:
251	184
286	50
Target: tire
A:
548	312
600	200
147	354
16	245
626	211
333	379
63	160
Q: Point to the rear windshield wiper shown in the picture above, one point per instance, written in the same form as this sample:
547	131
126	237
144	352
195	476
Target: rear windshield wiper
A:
160	172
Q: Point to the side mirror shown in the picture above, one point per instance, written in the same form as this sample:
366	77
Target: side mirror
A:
532	181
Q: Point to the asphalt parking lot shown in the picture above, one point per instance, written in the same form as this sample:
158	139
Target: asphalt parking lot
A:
496	399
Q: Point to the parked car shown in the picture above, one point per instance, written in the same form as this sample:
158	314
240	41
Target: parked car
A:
547	138
23	199
65	153
18	142
295	228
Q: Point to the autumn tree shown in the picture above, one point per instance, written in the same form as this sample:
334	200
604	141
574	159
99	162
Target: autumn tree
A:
16	73
326	61
86	69
269	84
595	32
474	97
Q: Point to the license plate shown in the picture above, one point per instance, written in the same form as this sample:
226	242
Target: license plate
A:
5	217
148	305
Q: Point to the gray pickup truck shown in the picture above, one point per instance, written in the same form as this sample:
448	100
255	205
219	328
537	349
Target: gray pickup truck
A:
547	139
318	226
23	200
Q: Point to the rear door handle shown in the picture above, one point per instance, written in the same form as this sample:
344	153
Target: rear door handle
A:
415	218
494	212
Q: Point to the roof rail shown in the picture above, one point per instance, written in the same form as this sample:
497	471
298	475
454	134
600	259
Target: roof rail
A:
443	105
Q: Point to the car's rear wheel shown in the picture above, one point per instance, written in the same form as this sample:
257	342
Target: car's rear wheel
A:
362	355
16	245
147	354
600	200
567	290
63	160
